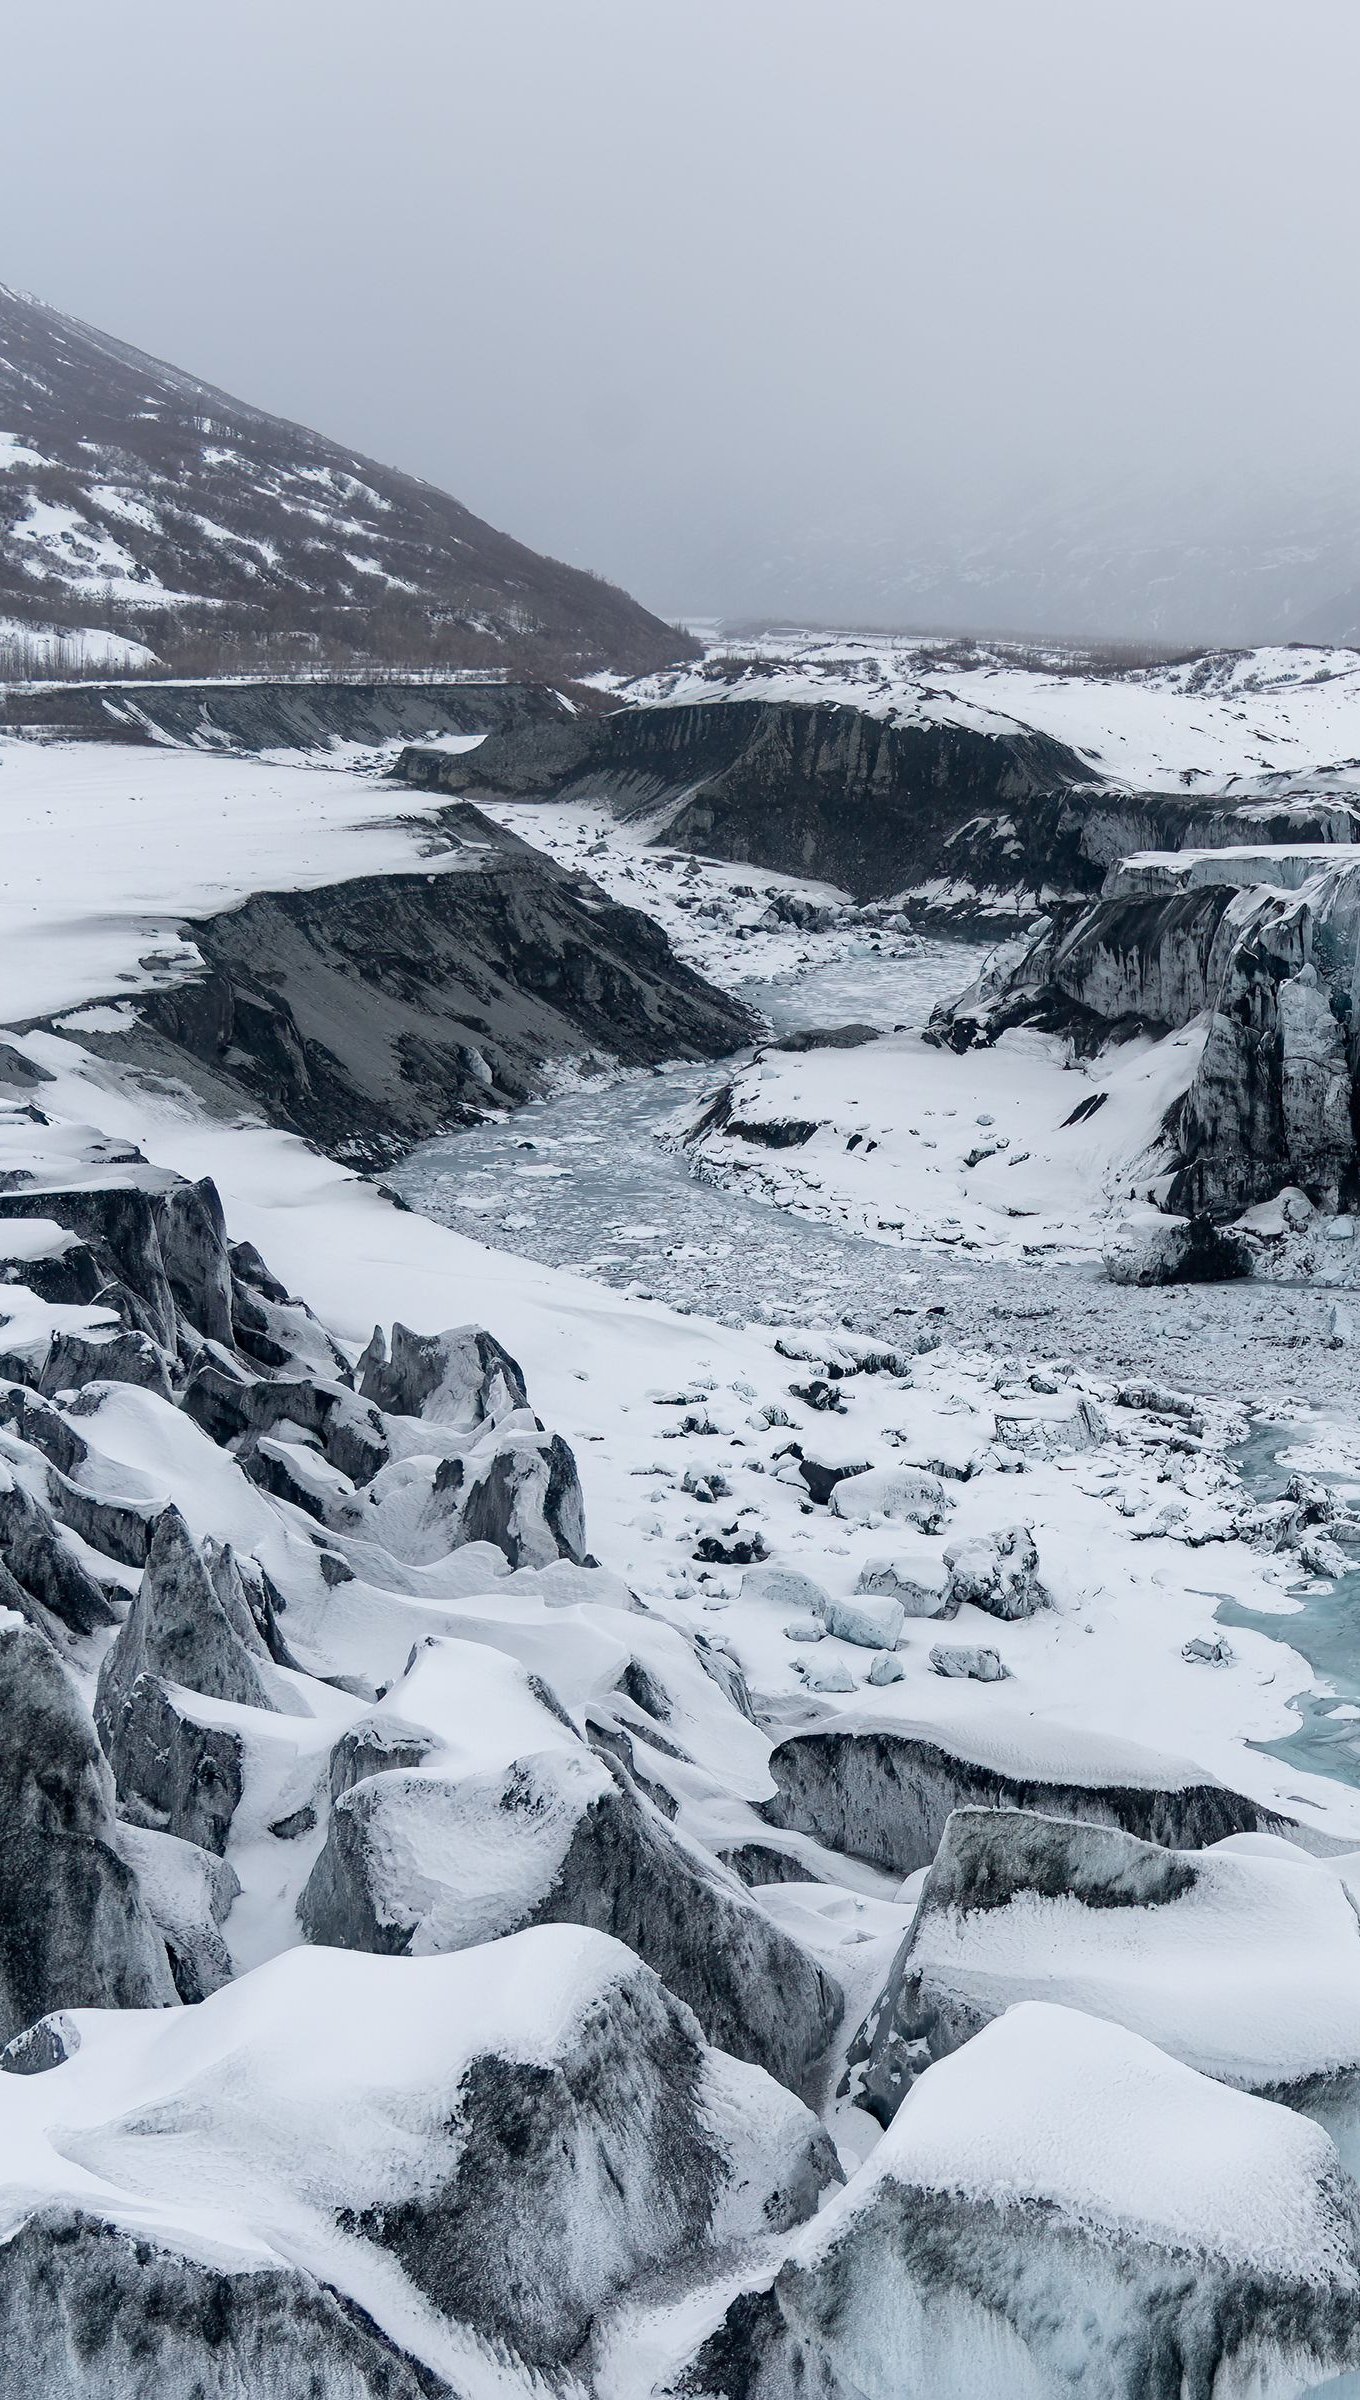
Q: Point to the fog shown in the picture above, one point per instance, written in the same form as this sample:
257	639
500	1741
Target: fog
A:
1031	313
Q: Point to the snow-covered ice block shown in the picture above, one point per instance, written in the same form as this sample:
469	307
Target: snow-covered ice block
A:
997	1572
340	2165
968	1662
784	1587
883	1788
467	1806
915	1585
460	1378
871	1622
906	1494
1246	1967
1057	2208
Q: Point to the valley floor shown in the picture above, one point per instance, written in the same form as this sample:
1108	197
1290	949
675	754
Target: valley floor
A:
811	1359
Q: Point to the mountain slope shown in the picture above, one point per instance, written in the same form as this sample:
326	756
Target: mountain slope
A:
136	498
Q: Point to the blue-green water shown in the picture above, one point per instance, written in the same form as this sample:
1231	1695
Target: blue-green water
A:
1325	1628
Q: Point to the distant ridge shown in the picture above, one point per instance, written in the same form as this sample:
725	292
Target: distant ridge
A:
140	502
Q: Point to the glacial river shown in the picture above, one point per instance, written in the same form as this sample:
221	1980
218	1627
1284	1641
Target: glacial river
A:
583	1181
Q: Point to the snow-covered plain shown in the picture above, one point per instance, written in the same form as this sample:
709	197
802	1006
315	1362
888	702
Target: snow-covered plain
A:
709	1453
107	849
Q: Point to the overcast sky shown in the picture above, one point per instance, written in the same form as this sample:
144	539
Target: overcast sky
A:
699	294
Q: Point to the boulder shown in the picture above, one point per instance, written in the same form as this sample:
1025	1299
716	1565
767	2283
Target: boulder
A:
972	1665
871	1623
899	1579
998	1573
784	1587
907	1494
75	1931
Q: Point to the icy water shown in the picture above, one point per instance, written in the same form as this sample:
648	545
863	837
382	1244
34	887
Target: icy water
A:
1325	1629
583	1180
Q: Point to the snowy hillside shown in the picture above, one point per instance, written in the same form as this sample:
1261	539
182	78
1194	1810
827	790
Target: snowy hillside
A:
139	503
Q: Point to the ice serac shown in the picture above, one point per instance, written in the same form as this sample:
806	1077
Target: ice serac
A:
371	1014
457	1378
884	1792
75	1931
189	1635
352	2174
1245	1966
467	1806
1276	1097
1000	2241
1266	942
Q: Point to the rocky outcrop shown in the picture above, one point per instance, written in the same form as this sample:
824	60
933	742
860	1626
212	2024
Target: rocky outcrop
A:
372	1014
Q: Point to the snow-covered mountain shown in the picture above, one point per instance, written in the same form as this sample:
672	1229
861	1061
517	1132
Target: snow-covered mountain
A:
139	503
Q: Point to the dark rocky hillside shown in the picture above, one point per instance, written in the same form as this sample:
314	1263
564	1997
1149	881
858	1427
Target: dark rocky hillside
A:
135	498
372	1014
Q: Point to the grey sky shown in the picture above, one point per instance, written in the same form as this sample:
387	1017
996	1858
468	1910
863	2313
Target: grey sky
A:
743	302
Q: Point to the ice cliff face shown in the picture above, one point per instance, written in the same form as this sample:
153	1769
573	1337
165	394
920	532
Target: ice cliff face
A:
1267	942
